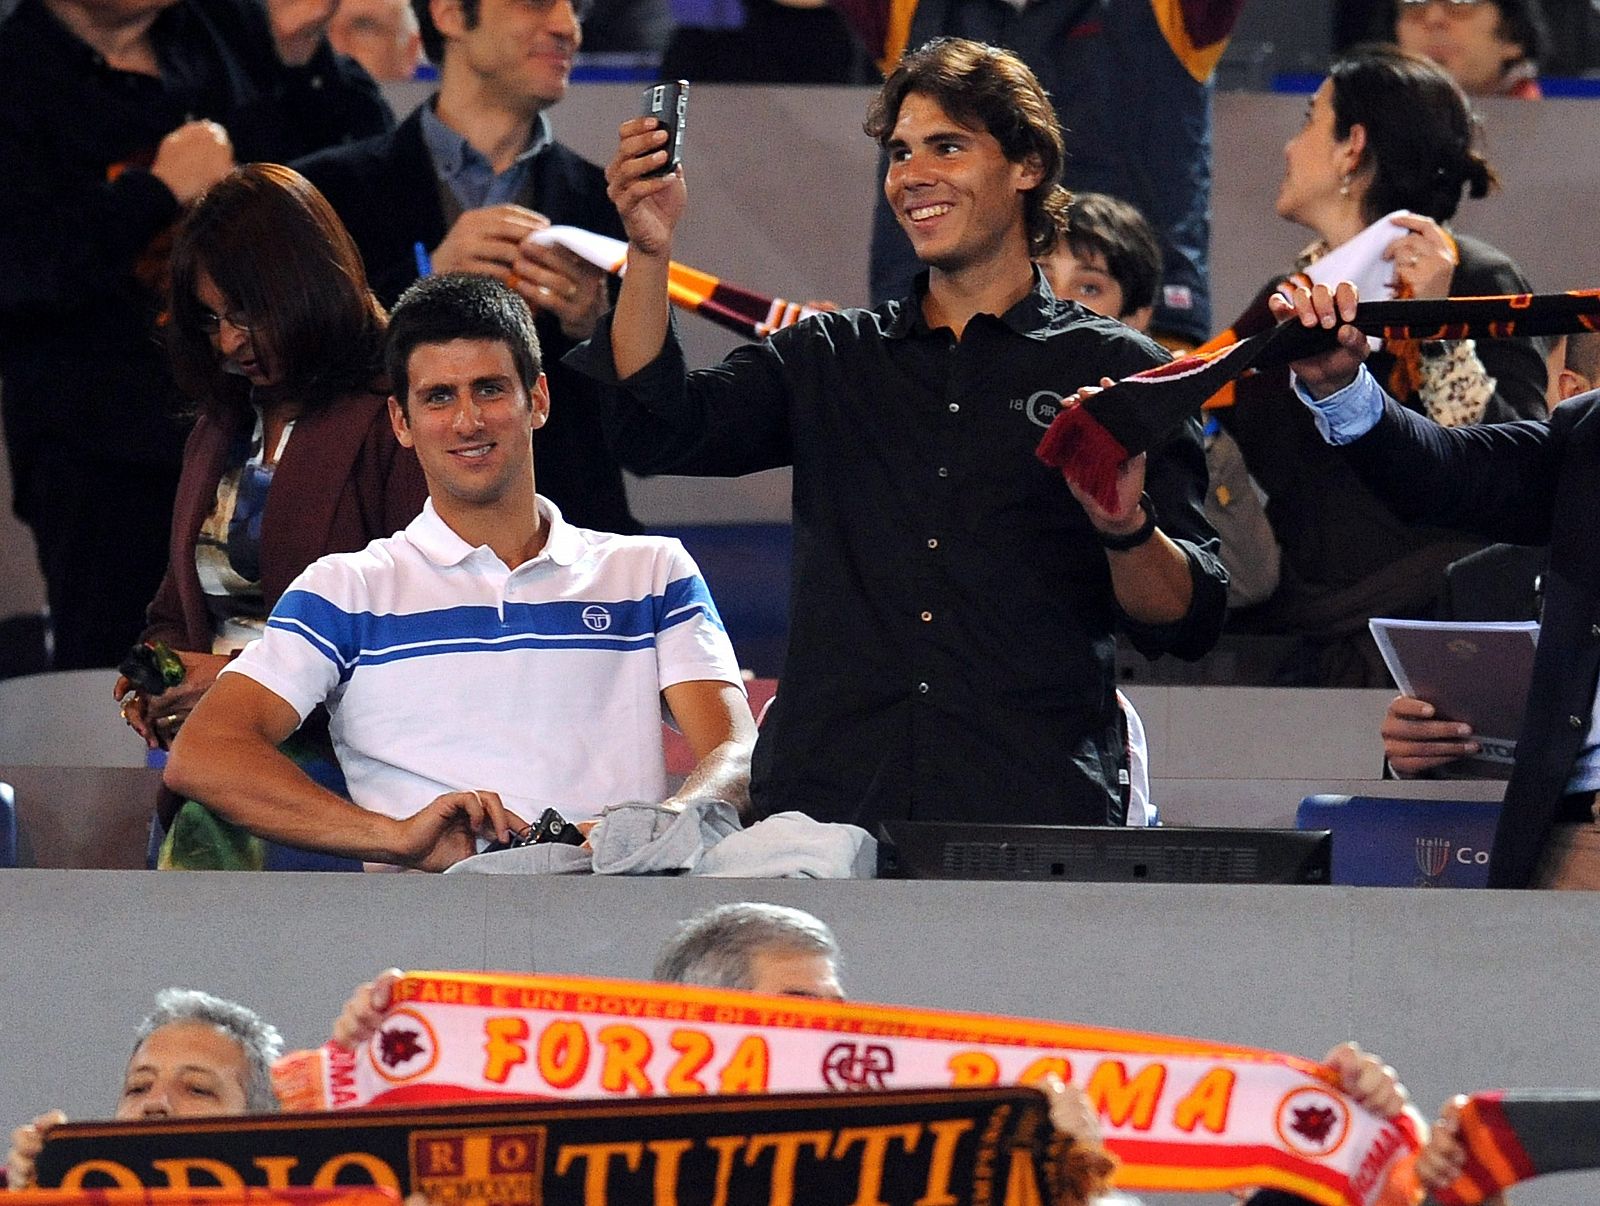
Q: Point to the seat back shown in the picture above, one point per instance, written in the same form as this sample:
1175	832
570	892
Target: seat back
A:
1380	841
65	718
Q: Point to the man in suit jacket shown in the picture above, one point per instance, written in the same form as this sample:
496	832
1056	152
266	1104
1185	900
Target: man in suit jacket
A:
465	179
1529	482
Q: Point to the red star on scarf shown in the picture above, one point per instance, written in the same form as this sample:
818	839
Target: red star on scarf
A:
1314	1122
397	1046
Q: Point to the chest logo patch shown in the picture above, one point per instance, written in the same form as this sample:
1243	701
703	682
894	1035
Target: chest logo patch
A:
1040	407
596	618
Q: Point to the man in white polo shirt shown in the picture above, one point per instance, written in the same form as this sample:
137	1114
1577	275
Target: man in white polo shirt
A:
489	661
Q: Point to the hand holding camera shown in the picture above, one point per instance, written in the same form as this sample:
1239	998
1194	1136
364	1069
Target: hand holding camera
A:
159	686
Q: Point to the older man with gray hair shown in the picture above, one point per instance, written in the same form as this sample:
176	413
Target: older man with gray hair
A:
194	1056
757	947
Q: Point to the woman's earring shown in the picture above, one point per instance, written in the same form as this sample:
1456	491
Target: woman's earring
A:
1344	185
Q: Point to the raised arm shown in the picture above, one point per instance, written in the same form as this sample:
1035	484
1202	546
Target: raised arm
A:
649	207
227	758
715	719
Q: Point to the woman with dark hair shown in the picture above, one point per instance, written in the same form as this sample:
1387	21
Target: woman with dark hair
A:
1387	131
276	338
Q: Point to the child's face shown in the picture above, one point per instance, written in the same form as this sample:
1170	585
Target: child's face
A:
1086	281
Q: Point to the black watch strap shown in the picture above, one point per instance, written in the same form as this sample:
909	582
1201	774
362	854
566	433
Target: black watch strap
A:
1121	544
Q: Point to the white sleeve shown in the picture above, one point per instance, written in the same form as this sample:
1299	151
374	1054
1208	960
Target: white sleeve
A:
691	642
311	641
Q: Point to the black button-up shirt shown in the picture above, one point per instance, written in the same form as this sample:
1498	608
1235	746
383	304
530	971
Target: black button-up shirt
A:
951	641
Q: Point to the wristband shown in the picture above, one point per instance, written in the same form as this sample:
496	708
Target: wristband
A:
1123	544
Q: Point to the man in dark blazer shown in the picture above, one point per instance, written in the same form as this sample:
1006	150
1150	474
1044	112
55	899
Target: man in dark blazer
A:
1530	482
460	185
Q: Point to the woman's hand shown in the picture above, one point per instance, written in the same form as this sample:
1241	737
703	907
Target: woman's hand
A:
157	718
1424	258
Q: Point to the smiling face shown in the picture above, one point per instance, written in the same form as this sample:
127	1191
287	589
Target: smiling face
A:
1316	165
471	423
1467	40
233	340
184	1070
956	195
518	52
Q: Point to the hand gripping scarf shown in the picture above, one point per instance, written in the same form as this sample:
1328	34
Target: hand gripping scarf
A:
1514	1134
1180	1114
753	315
1089	441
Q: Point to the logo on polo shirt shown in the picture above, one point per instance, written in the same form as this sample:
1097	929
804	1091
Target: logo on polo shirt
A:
596	618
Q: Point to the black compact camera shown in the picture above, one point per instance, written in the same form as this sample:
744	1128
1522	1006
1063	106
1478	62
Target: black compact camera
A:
152	668
669	104
550	827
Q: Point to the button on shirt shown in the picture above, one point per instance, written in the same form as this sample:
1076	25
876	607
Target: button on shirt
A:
951	633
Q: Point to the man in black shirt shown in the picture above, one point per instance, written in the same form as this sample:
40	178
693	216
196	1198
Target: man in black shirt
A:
954	604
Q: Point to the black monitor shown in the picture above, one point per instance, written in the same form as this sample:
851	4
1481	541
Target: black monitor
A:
1103	854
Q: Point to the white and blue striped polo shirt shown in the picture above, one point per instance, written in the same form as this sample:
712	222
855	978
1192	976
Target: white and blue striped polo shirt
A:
445	671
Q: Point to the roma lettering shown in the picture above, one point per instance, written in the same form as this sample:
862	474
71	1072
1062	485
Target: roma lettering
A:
1124	1099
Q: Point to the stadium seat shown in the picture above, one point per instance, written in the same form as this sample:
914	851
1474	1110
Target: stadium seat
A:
65	718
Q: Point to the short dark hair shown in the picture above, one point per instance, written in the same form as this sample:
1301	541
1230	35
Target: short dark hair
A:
258	1039
984	87
432	39
717	948
1521	21
459	305
1107	226
1420	132
274	247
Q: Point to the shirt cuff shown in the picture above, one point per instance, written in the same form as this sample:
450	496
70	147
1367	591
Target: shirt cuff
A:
1346	415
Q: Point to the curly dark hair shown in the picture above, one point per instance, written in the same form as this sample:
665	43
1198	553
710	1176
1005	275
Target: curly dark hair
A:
984	87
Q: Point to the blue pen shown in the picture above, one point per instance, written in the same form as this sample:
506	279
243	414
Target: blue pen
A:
424	264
